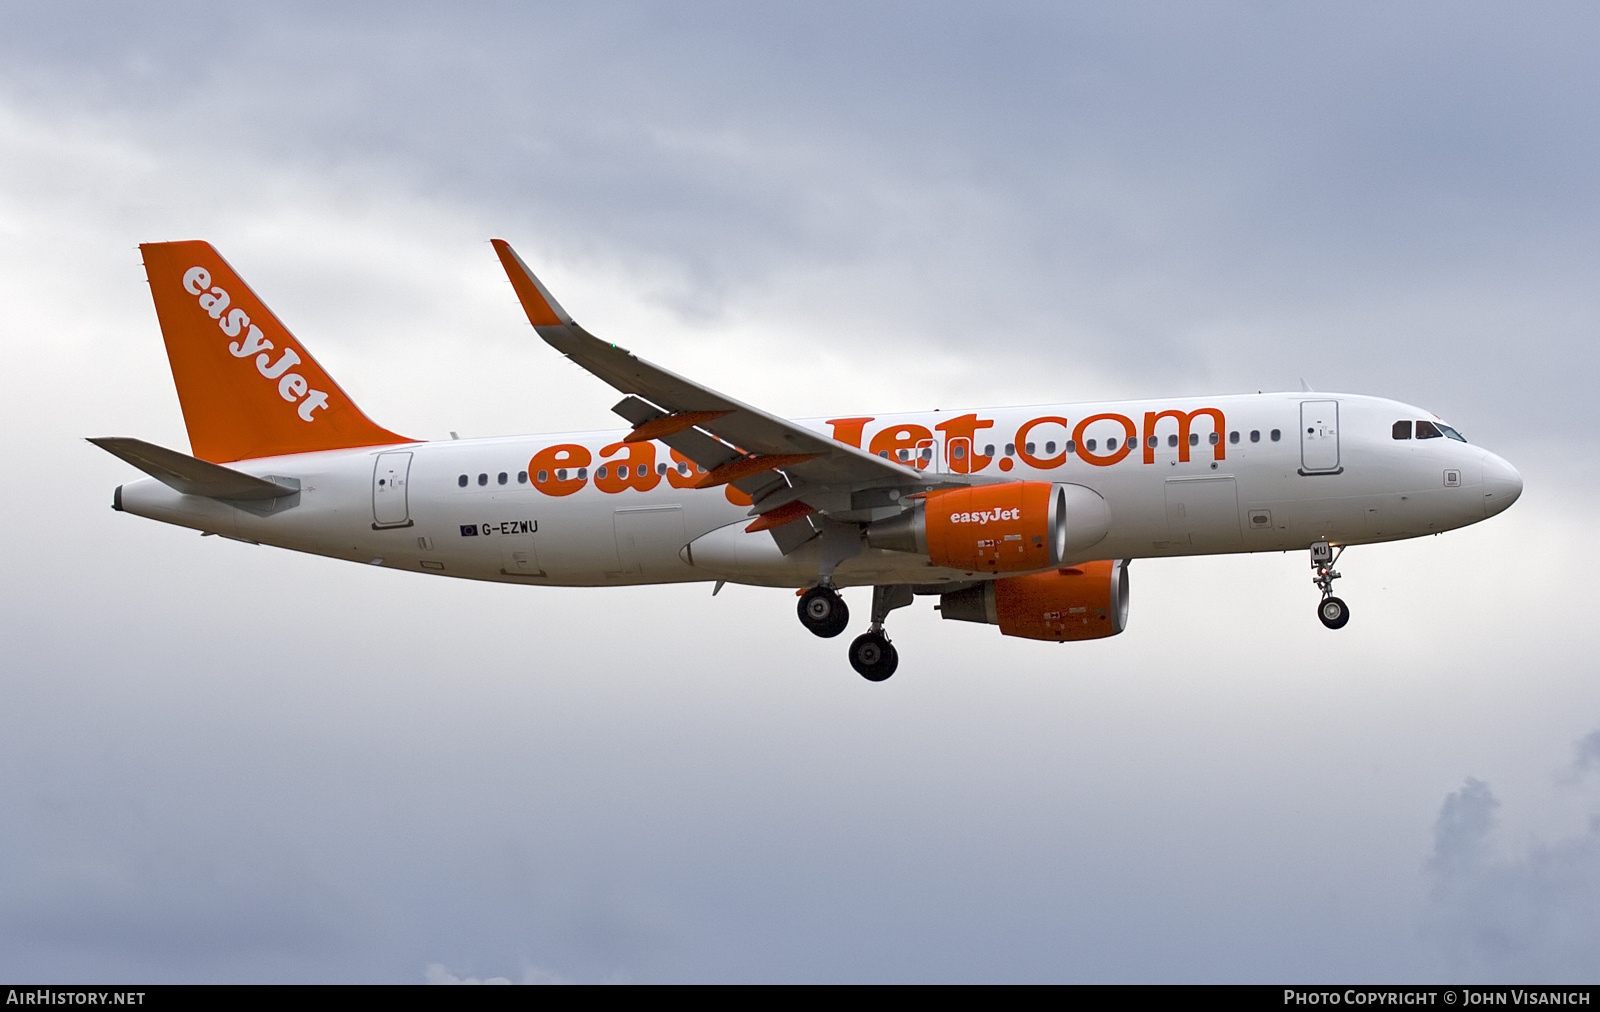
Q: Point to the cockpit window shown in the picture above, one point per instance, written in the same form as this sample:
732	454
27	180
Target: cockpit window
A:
1402	429
1452	433
1427	430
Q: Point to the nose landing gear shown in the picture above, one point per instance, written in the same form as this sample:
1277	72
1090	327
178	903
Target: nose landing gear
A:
1331	611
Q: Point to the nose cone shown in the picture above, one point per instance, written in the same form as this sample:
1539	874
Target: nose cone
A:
1501	484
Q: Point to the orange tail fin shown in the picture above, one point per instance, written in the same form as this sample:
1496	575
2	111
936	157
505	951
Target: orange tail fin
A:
247	387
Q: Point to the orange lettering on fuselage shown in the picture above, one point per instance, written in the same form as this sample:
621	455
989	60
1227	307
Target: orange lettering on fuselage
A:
900	437
848	430
962	430
1152	417
1088	456
563	458
1042	463
637	470
964	427
681	472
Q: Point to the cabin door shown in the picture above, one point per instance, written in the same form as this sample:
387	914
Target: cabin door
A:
389	505
1319	437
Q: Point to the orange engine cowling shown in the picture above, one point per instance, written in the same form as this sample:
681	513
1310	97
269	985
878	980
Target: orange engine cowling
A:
1083	602
1013	527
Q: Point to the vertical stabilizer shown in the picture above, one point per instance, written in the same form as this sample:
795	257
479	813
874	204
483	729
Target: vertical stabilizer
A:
247	387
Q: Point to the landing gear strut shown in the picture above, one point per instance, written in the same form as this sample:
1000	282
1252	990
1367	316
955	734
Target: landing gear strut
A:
1332	611
871	653
823	612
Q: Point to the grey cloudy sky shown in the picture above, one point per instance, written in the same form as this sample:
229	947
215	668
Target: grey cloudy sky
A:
220	762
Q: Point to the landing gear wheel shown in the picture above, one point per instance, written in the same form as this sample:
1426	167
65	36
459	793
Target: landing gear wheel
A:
873	656
823	611
1333	612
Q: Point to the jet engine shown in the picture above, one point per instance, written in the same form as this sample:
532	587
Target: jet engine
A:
1012	527
1083	602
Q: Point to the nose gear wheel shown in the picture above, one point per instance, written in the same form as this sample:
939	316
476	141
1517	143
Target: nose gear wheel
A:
1331	611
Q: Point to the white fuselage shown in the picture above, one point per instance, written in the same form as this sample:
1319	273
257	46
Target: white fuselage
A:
1333	473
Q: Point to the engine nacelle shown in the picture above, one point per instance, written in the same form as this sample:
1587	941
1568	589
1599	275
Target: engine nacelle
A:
1083	602
1012	527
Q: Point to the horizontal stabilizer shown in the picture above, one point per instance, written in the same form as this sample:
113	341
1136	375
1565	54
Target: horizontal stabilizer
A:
190	475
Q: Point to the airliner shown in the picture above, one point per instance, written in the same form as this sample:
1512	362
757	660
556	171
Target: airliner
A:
1025	518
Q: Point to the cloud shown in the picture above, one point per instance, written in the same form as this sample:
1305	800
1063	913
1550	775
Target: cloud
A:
437	973
1588	757
1527	915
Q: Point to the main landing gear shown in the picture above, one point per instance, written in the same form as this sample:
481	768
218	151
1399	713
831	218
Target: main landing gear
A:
1332	611
873	656
823	612
871	653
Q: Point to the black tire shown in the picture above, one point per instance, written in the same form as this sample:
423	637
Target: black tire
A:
1333	612
823	611
873	656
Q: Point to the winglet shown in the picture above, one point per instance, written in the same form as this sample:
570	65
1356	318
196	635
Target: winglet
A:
542	308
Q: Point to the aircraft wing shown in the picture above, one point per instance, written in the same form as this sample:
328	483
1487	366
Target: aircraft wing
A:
735	442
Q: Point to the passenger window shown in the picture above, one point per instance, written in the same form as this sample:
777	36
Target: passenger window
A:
661	469
502	478
1111	444
583	473
483	479
988	451
1050	448
462	481
1276	435
1427	430
544	476
522	477
1011	449
1152	441
561	474
1029	448
1089	444
1402	429
1072	446
1233	437
602	471
1255	435
644	469
959	451
1172	440
1194	439
1214	439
